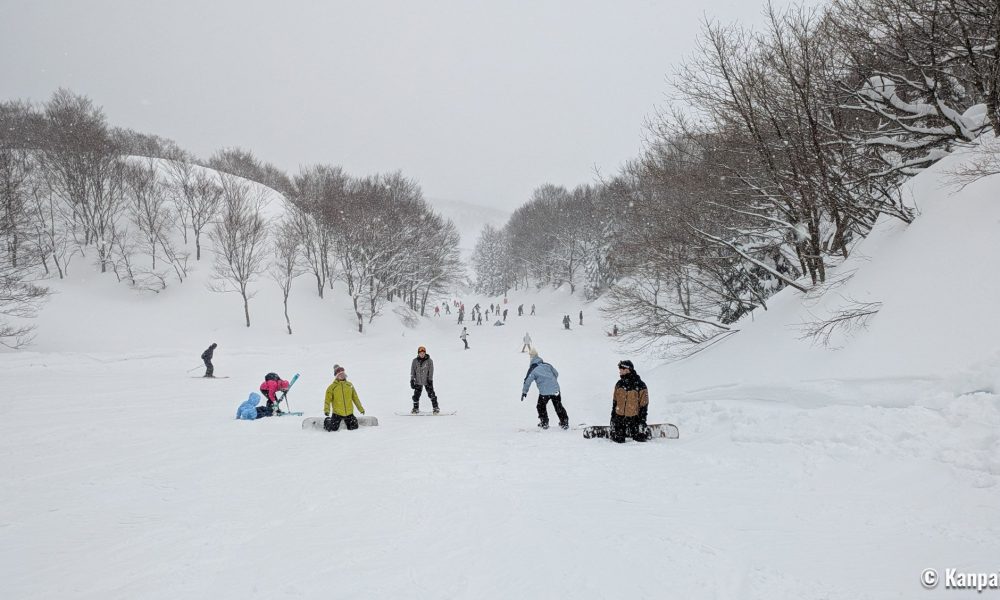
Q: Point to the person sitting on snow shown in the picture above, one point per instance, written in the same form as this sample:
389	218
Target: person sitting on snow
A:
341	398
273	384
248	410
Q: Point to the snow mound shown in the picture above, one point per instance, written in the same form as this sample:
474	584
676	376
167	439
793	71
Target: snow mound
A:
931	286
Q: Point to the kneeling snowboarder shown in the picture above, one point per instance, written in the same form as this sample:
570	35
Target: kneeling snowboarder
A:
546	378
630	405
341	398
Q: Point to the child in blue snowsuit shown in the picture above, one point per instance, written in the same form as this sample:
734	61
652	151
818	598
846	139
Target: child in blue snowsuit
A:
248	410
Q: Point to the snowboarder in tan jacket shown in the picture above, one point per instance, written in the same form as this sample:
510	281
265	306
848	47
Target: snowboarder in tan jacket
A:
630	404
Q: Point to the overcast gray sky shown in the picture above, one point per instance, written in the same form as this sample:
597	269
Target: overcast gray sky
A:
478	101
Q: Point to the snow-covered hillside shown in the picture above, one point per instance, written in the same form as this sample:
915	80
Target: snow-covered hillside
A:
469	219
801	472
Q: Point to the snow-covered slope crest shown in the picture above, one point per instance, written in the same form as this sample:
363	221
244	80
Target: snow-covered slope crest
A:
91	311
933	286
469	219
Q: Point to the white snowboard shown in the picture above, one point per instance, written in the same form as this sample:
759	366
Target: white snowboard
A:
316	423
428	413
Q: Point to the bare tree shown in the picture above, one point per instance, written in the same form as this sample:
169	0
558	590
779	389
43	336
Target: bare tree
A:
20	299
918	67
86	170
436	260
491	261
18	169
286	266
850	317
239	239
982	162
319	198
51	228
148	206
199	195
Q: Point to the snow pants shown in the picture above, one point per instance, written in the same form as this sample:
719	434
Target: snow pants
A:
209	369
417	389
332	423
543	414
628	427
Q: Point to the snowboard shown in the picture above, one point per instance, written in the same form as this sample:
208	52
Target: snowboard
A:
656	430
316	423
427	413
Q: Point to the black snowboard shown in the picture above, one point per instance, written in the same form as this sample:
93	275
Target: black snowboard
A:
656	430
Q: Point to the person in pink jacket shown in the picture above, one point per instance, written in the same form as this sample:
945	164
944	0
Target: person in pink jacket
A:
272	386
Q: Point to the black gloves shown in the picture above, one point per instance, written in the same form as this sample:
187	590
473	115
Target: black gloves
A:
522	397
413	384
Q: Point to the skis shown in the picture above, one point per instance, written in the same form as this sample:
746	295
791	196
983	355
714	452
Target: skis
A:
427	414
656	430
212	377
284	396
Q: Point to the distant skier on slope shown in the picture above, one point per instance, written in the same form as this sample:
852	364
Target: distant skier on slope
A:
465	337
422	376
206	356
630	404
527	342
546	378
341	398
272	385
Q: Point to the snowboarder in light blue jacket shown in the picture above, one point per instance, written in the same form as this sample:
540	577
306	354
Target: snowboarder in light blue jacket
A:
546	378
248	410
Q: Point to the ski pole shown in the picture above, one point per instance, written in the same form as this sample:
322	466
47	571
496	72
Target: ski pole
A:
198	367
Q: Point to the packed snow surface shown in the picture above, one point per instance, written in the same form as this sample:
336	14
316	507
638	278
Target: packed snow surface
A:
801	471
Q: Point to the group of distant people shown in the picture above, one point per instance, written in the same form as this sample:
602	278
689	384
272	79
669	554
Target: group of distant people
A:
630	401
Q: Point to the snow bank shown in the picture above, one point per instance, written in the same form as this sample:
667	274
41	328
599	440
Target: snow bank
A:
936	281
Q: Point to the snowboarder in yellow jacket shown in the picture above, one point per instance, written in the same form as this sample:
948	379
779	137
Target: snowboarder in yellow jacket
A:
341	398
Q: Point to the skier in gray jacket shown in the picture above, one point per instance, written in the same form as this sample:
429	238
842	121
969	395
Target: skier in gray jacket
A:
546	378
422	376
